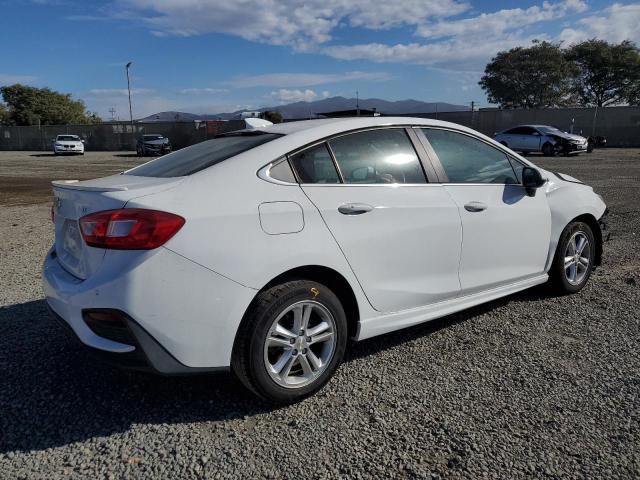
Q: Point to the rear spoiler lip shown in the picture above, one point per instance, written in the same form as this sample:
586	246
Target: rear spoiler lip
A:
74	185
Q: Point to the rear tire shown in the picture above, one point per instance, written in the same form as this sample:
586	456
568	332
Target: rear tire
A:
290	342
574	259
548	150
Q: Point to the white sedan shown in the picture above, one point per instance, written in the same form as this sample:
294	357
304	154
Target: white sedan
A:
264	250
64	144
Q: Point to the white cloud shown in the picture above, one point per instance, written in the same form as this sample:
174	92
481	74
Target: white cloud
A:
617	23
289	96
305	79
465	44
284	22
119	91
10	79
202	91
453	54
501	21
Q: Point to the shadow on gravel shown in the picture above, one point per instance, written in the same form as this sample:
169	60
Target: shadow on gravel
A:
55	393
126	155
50	154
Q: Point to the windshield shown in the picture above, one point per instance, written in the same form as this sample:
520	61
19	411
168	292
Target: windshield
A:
152	137
545	129
68	138
202	155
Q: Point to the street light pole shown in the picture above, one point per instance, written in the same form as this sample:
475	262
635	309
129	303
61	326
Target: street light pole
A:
129	90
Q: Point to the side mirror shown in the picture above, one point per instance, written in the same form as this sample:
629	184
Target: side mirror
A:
531	180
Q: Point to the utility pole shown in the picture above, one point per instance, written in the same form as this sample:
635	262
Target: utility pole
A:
357	104
129	90
112	111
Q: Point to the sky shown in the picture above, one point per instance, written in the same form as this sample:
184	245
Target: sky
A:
211	56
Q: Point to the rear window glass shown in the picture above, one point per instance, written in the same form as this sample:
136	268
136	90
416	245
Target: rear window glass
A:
202	155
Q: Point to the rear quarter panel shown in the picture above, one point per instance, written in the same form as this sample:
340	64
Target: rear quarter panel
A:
223	231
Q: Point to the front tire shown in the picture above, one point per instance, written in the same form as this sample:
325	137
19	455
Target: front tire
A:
574	259
548	150
291	341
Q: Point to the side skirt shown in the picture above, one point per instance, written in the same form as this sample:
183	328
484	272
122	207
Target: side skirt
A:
371	327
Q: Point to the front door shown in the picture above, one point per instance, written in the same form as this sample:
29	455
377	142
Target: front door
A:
505	232
400	234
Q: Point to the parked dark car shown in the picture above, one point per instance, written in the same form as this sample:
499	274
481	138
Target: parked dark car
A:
153	144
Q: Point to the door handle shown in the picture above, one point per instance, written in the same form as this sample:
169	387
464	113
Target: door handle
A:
475	206
354	208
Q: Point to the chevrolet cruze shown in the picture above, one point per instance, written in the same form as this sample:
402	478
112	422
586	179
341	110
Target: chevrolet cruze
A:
265	250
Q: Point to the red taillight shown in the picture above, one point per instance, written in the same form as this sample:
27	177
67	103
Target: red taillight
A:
129	228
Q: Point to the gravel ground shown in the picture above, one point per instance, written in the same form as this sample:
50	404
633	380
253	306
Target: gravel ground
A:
527	386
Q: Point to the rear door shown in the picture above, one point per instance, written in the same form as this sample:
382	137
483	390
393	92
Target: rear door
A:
506	233
400	234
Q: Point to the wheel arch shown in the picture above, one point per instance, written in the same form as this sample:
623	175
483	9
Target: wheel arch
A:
590	220
326	276
597	234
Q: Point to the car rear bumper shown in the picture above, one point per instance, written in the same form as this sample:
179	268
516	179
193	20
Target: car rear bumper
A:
179	317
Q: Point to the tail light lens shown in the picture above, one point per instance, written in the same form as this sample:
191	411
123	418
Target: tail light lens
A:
129	228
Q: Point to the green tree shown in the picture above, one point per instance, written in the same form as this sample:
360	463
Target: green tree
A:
273	117
605	73
529	77
42	106
4	115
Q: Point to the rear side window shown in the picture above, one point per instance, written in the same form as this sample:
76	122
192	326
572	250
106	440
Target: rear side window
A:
197	157
468	160
377	156
314	165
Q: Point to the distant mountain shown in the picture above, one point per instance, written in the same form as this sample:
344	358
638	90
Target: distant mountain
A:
177	117
311	109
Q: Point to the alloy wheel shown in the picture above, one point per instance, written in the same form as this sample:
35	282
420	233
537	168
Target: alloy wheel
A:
577	258
300	344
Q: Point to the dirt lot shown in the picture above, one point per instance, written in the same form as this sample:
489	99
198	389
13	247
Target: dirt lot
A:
527	386
25	177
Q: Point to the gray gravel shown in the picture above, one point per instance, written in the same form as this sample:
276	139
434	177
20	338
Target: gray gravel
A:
526	386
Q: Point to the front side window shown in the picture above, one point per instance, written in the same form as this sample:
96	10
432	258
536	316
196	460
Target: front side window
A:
314	165
202	155
469	160
377	156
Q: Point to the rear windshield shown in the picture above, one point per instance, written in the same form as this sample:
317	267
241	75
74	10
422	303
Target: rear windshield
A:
202	155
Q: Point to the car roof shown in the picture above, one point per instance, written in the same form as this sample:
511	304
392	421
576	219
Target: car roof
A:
328	126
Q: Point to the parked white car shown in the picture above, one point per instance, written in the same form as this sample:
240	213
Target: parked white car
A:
265	250
542	138
64	144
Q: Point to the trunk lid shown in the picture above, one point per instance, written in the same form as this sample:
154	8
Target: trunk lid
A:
73	200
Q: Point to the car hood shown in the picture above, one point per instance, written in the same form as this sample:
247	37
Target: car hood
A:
569	136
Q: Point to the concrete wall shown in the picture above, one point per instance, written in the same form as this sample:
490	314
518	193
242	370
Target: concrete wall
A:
113	136
620	125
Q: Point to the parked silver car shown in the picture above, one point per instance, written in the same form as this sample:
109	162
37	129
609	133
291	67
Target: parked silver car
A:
542	138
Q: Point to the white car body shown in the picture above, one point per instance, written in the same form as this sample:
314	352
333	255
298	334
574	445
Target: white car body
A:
68	144
422	251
